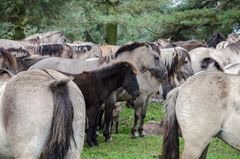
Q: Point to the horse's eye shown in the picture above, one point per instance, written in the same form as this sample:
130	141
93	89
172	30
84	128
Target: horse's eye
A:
186	61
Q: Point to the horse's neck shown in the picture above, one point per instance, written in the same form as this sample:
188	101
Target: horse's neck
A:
130	57
111	83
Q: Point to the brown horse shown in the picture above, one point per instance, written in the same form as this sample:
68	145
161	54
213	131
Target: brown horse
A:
42	116
97	85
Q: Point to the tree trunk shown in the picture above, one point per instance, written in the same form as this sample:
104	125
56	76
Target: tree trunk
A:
111	30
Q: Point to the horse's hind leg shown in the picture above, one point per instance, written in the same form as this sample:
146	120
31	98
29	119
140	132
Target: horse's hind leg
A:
196	149
230	132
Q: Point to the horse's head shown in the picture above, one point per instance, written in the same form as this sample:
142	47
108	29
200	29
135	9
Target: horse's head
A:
144	55
130	83
184	66
54	37
151	61
178	63
7	60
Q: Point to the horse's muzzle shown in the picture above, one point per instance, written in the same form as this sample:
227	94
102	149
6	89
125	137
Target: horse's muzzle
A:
136	93
159	74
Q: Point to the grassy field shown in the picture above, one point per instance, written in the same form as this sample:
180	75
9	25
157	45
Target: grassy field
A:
123	147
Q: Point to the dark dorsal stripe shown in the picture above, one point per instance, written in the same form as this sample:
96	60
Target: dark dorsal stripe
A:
132	46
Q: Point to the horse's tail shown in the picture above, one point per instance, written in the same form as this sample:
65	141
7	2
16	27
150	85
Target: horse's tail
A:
61	132
204	64
170	136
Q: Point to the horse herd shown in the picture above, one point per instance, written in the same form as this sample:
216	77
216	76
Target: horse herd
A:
52	92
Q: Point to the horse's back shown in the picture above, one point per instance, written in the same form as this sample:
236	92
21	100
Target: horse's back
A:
71	66
205	101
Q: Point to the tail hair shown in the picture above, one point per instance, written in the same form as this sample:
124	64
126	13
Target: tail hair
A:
170	137
61	131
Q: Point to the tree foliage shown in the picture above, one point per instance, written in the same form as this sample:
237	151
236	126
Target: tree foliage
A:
120	21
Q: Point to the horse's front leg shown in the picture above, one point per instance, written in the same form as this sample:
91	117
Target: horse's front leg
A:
92	114
109	104
142	117
137	113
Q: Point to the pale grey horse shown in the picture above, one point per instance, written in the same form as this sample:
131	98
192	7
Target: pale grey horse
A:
212	59
42	114
205	106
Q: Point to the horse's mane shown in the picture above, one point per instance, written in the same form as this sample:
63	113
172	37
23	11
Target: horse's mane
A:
110	70
47	49
9	57
173	58
21	51
124	48
234	47
134	45
215	39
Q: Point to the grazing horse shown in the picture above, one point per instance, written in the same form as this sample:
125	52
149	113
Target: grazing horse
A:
215	39
42	116
179	67
205	106
97	85
48	37
146	56
202	58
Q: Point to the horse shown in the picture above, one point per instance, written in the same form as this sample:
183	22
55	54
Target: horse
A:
189	45
233	37
7	60
146	56
179	67
203	57
205	106
71	66
163	43
42	116
50	49
97	85
215	39
223	44
17	60
233	68
48	37
84	50
108	49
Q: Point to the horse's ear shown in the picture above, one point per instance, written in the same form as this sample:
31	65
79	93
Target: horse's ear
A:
71	77
169	39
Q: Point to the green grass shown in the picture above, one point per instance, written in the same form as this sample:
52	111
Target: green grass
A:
123	147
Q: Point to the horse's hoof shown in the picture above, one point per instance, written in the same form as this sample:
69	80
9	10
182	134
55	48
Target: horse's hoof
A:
91	145
142	134
109	139
135	135
96	144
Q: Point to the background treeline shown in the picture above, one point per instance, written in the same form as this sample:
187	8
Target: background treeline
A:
120	21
